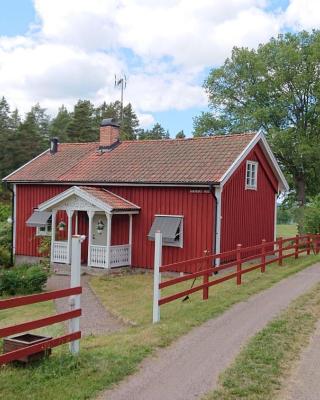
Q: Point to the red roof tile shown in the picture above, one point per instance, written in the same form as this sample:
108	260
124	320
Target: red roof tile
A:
113	200
197	160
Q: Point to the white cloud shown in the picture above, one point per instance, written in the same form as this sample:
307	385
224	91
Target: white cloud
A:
75	47
303	14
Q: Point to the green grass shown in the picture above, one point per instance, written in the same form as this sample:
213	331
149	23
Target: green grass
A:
258	371
287	230
105	360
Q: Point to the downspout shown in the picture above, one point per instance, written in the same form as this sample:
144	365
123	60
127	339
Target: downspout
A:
12	222
216	193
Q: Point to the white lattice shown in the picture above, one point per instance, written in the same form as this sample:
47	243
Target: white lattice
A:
120	255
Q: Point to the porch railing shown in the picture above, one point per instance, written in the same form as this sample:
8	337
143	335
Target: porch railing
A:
119	256
60	252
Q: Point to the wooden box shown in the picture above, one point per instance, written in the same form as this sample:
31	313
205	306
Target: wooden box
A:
21	341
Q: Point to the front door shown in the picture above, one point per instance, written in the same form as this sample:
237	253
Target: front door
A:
83	229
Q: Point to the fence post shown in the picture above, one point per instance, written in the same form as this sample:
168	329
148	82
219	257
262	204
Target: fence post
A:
309	244
239	264
263	256
205	292
157	276
280	246
296	247
74	301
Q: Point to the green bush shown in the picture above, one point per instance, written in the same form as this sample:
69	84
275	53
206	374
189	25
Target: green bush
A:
310	217
5	257
22	279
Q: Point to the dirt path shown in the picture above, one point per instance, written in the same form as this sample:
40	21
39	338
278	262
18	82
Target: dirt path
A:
95	320
190	367
304	382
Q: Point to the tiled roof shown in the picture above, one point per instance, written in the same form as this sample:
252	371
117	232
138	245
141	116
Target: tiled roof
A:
197	160
113	200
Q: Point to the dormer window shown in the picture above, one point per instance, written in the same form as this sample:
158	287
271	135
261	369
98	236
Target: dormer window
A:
251	175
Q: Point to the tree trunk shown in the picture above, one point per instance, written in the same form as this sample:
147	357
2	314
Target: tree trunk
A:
301	190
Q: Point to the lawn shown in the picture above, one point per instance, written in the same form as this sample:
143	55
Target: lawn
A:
287	230
258	371
105	360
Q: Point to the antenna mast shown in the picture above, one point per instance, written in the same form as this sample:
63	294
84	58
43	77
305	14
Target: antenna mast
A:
122	82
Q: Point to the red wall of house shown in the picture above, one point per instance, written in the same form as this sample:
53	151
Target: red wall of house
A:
196	205
248	215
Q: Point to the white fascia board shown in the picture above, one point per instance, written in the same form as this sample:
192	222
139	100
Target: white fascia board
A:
225	177
259	137
275	166
24	165
74	190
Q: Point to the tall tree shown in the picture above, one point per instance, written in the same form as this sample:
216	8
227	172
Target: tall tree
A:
180	135
83	126
277	88
60	124
156	132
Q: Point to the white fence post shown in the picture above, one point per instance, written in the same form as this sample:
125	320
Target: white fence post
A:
74	301
157	276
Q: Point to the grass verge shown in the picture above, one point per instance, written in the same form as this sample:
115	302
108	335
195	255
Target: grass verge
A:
287	230
105	360
259	369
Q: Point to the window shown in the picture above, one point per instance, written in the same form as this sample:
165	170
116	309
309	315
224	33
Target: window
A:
44	230
171	227
251	175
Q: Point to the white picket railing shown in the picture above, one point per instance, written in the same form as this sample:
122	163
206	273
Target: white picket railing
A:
60	252
119	256
98	256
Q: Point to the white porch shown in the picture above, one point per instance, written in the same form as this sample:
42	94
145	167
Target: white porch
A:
100	206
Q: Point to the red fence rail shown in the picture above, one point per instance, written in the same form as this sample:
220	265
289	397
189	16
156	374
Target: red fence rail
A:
39	323
280	249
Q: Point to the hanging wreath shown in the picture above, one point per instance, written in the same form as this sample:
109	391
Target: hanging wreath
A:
61	226
100	226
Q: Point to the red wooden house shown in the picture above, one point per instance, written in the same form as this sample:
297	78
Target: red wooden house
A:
202	193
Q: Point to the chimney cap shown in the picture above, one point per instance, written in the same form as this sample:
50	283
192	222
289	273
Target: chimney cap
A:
110	122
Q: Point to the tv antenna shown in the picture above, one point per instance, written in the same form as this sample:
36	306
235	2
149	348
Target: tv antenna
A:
122	82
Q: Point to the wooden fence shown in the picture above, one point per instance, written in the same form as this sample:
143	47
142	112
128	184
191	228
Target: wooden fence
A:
73	315
241	258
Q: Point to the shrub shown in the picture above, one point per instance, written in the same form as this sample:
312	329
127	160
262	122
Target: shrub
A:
5	257
22	279
310	217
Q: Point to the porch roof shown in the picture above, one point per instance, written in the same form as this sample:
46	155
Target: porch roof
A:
100	198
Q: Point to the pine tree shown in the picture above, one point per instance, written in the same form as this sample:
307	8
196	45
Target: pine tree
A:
83	125
180	135
60	124
157	132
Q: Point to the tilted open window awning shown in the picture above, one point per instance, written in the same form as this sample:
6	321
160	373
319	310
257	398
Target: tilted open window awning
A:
168	226
38	218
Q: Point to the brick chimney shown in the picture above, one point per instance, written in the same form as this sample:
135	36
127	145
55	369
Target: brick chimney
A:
109	133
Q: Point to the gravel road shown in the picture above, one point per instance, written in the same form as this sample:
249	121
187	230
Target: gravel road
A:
190	367
95	320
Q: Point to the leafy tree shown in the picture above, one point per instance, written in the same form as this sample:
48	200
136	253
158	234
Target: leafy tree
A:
180	135
310	216
157	132
60	124
277	88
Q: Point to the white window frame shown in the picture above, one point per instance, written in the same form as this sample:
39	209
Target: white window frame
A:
44	232
251	177
178	243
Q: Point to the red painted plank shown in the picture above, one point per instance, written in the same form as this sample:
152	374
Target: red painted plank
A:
37	298
16	354
39	323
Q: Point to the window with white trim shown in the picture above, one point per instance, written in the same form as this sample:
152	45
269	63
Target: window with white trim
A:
171	227
44	230
251	175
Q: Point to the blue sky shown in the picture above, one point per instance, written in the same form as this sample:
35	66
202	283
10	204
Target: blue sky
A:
54	52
